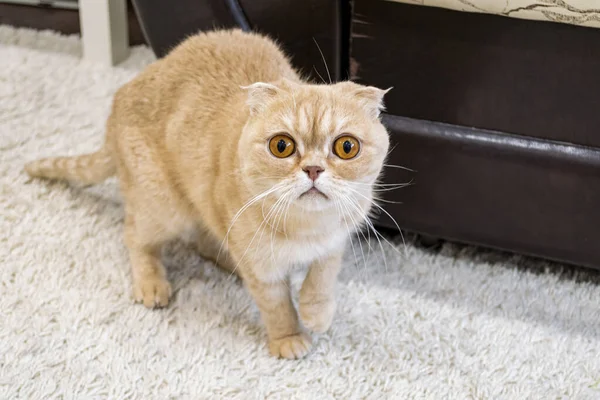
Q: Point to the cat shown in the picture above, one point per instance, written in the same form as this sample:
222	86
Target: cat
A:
224	138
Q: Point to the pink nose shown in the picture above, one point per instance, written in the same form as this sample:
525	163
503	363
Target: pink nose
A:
313	171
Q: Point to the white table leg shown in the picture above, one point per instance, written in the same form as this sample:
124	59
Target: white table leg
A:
104	30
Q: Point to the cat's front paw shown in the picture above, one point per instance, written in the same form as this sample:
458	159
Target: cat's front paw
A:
317	315
152	291
290	347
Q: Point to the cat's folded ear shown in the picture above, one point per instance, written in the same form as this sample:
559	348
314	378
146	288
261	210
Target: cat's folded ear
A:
369	97
260	94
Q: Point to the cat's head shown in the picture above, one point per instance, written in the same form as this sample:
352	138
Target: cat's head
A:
315	146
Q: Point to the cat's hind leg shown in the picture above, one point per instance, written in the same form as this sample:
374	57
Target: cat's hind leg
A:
214	250
154	214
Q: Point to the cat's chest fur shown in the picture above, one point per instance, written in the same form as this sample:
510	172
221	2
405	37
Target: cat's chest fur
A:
276	256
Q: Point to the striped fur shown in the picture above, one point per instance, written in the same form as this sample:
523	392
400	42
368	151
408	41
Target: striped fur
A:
88	169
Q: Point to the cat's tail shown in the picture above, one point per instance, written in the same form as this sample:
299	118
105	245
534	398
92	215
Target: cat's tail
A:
87	169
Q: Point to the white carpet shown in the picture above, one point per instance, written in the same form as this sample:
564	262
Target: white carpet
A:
453	324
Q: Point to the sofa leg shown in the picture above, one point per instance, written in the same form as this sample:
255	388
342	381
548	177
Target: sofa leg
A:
104	30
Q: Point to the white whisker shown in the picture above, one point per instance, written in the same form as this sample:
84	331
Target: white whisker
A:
319	75
389	201
391	150
338	203
263	226
388	214
277	219
399	167
289	204
384	185
388	189
357	225
372	227
254	236
241	210
324	62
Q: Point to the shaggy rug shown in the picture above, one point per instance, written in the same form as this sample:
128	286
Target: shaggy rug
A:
454	323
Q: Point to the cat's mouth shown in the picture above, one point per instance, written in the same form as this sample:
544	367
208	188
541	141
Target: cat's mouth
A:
314	192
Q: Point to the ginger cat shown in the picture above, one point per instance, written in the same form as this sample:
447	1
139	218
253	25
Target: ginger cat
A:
223	138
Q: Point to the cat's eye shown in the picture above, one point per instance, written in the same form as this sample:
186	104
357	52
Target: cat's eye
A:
282	146
346	147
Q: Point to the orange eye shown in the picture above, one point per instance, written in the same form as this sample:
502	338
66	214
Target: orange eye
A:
282	146
346	147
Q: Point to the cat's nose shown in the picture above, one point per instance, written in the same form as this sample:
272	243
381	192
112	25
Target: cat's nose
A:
313	171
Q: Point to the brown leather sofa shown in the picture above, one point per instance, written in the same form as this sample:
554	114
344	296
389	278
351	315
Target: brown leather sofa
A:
498	117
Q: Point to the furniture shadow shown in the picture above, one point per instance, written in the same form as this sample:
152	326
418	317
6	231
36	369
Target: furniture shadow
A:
482	282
